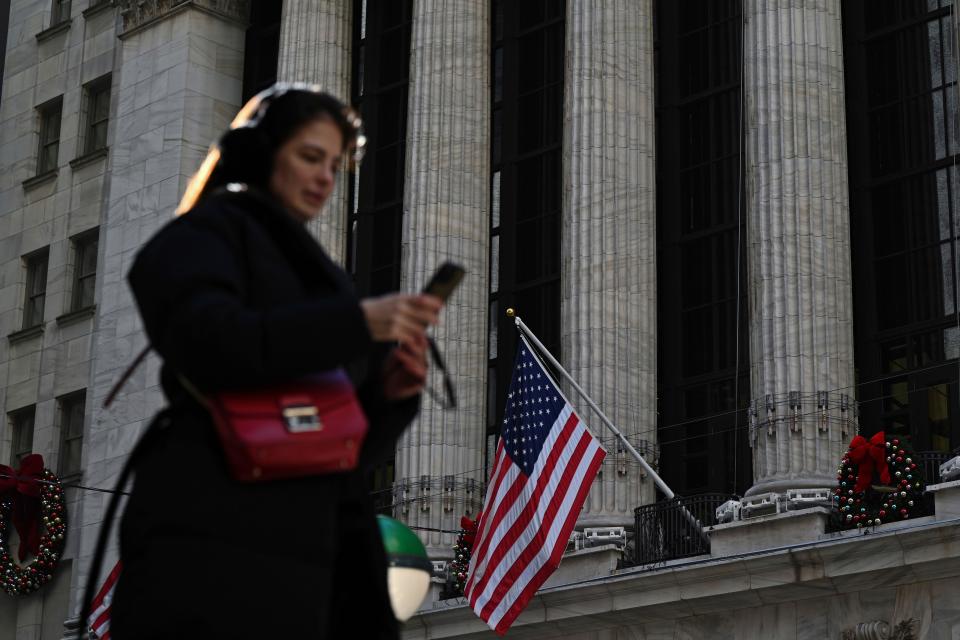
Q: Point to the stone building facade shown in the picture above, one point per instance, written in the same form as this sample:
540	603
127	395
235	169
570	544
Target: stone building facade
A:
685	200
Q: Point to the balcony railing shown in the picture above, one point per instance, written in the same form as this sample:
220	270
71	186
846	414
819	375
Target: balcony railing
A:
664	532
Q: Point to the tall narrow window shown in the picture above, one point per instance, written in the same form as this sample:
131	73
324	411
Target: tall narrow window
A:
97	97
526	97
262	47
60	12
49	135
21	428
901	95
381	68
84	270
71	432
381	78
36	290
702	392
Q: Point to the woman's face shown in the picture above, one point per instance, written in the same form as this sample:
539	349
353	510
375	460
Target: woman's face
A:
305	167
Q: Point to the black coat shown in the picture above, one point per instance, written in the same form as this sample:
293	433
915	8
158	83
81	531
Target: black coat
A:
237	294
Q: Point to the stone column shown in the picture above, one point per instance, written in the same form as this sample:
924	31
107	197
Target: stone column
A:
609	321
798	235
176	87
446	205
315	46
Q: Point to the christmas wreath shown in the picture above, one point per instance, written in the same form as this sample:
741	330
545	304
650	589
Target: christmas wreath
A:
462	551
30	497
878	481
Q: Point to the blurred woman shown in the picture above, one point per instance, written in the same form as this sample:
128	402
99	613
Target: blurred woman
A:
236	294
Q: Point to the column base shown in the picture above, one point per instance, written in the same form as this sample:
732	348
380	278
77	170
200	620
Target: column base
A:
780	485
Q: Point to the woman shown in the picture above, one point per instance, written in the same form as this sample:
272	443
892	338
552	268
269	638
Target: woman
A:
237	294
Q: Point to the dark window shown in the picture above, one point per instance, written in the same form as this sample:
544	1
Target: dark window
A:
36	289
381	63
21	430
84	269
527	60
60	12
97	96
901	84
262	48
381	69
49	135
703	440
71	432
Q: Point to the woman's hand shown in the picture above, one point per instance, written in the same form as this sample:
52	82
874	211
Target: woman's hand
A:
405	370
401	317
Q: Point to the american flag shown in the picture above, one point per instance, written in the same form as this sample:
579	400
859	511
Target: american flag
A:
99	620
545	462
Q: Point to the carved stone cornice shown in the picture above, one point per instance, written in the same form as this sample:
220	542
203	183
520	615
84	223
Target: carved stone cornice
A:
881	630
139	14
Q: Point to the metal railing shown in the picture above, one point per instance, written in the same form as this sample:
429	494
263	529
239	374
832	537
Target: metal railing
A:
663	532
930	462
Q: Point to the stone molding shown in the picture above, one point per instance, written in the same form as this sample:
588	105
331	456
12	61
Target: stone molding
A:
703	585
139	14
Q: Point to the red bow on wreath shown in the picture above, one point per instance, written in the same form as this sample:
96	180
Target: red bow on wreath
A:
470	526
870	455
22	487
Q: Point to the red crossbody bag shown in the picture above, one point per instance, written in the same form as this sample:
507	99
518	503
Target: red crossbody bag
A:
311	426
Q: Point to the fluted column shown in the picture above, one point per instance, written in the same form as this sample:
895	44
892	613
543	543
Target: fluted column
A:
609	239
315	47
439	464
798	234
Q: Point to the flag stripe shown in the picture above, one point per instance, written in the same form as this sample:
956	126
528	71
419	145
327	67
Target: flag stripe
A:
99	620
515	606
529	545
505	503
526	508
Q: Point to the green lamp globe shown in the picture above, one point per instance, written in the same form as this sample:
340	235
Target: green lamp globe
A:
409	568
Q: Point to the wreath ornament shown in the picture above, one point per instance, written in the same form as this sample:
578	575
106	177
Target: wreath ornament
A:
31	499
878	481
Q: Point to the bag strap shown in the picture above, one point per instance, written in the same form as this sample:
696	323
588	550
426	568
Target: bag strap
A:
126	376
159	423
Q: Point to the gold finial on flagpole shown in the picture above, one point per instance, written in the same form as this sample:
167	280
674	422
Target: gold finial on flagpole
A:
511	312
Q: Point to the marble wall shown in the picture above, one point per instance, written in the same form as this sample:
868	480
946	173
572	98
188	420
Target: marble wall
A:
45	62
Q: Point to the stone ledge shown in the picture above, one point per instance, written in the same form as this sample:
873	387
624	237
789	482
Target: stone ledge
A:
25	334
703	585
38	180
50	32
946	496
768	532
89	158
76	316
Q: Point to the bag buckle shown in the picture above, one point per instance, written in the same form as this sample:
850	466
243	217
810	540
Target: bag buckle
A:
302	418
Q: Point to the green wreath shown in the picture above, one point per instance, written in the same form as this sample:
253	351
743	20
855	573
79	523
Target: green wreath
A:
31	498
878	481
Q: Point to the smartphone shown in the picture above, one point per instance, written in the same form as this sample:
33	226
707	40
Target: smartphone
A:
445	280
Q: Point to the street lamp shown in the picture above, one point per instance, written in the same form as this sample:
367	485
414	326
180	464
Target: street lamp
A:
408	575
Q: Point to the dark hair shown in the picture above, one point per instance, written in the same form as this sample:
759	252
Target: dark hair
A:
245	152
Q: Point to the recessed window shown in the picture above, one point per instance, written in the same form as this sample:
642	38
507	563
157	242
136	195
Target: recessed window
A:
97	98
49	135
36	290
21	428
71	409
84	270
60	12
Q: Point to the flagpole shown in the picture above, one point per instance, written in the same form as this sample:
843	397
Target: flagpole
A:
583	394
